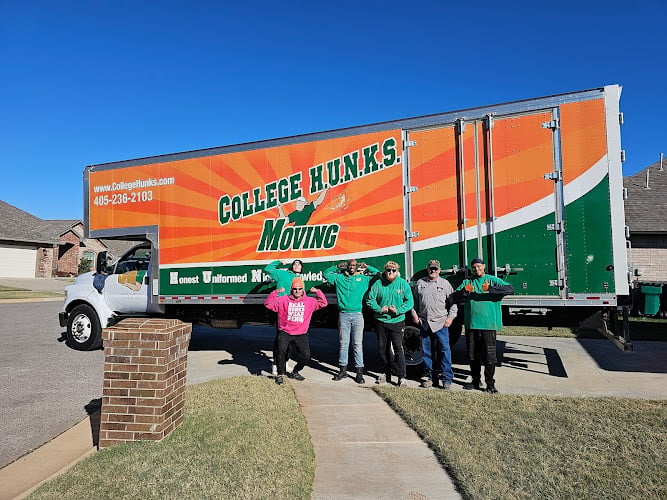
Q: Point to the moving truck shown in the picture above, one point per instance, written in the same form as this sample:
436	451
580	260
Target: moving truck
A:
534	187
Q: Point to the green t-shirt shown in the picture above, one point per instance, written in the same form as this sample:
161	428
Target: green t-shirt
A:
350	289
301	217
482	310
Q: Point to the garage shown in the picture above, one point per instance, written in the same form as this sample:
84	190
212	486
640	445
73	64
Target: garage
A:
17	261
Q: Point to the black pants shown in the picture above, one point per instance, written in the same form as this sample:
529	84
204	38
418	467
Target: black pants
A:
275	348
391	335
302	345
482	350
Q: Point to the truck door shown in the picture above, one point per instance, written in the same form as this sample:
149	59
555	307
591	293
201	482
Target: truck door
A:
478	188
126	290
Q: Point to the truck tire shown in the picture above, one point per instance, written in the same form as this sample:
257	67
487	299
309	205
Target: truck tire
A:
84	332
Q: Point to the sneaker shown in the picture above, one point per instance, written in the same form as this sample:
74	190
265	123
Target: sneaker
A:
446	385
492	389
274	370
381	379
427	383
296	376
279	380
402	382
469	386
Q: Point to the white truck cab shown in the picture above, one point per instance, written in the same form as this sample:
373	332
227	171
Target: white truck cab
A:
99	298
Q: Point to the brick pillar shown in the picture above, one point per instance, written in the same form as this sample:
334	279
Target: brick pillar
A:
145	362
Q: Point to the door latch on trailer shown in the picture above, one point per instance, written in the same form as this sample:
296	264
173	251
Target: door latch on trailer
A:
552	176
409	144
558	227
553	124
506	269
410	189
560	283
412	234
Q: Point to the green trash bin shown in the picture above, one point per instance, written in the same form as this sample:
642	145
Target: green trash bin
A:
651	298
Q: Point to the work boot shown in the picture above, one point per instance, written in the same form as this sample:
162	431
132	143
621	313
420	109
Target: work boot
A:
491	389
360	375
341	374
428	379
475	384
295	375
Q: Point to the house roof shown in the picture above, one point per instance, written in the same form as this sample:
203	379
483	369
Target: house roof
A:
17	225
646	209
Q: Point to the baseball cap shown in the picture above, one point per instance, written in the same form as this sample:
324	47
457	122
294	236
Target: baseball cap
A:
476	260
434	263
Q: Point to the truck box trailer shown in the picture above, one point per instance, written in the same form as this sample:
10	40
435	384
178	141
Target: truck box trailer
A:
534	187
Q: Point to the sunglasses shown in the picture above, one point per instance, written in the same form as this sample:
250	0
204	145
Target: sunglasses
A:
297	288
434	269
391	270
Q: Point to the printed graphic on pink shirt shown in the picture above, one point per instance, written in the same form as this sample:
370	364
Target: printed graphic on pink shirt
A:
295	312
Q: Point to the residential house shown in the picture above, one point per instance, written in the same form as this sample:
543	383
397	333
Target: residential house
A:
31	247
646	218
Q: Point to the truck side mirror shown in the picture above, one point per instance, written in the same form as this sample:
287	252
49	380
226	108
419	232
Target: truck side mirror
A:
101	266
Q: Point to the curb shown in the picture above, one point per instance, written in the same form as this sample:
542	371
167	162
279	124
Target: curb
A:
23	476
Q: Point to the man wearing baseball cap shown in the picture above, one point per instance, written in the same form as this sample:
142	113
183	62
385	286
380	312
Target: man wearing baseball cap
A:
390	298
294	313
434	318
482	295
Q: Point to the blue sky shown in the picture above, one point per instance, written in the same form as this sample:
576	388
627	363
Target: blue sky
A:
94	82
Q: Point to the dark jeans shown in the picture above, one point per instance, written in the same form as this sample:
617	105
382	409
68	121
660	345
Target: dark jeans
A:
391	334
302	346
482	350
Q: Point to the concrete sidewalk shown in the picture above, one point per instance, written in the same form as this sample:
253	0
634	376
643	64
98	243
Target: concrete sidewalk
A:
370	452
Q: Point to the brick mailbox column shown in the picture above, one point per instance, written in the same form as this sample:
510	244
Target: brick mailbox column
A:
144	379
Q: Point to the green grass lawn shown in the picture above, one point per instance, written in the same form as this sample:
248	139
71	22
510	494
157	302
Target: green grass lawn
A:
10	292
241	437
508	446
245	437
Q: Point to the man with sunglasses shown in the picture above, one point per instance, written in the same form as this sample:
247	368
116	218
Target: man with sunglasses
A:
351	286
283	279
483	318
434	318
390	298
294	313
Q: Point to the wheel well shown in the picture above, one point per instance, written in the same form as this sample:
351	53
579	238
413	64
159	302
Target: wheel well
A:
75	303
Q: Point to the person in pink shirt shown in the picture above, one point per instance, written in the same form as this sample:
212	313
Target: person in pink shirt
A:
294	313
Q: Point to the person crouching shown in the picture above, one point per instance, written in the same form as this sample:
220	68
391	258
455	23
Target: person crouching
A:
294	313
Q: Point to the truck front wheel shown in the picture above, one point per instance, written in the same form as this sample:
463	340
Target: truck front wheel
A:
84	332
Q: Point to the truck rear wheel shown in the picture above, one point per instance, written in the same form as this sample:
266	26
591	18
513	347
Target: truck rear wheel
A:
84	332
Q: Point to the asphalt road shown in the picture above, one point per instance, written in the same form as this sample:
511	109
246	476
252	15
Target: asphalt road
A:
45	387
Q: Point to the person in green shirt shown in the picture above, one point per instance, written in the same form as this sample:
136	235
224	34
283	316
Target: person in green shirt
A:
302	209
390	298
283	279
351	281
483	318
